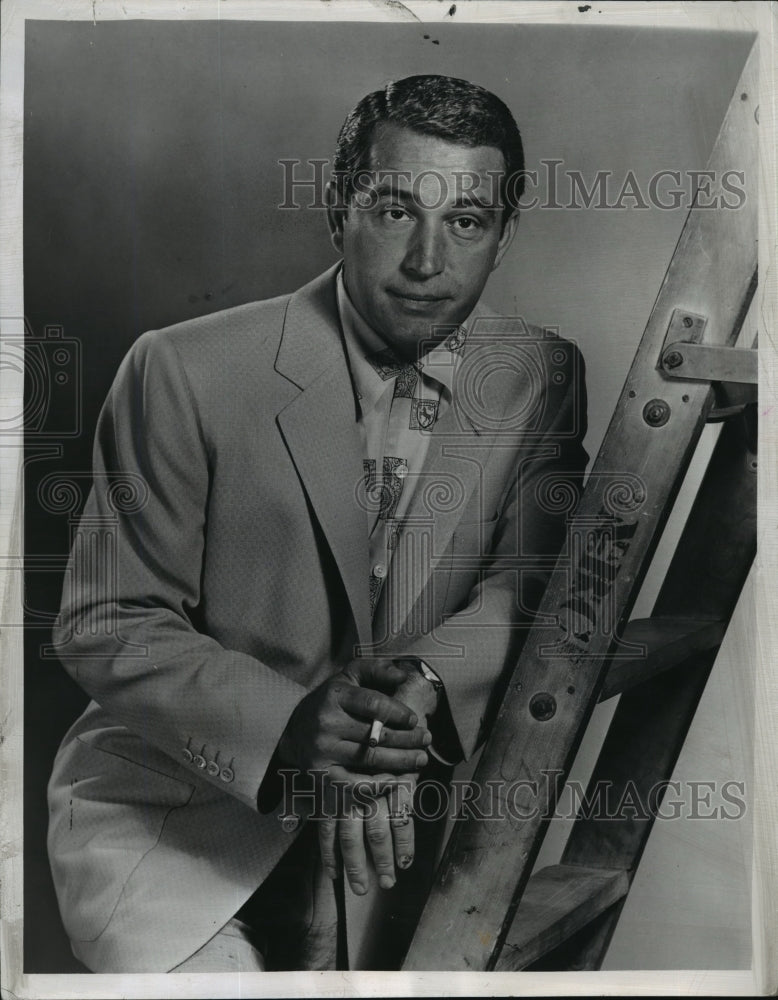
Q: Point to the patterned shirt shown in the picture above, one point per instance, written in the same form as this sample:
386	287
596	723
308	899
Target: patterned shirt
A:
399	404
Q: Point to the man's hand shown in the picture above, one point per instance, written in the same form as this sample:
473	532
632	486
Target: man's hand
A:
329	730
386	823
380	823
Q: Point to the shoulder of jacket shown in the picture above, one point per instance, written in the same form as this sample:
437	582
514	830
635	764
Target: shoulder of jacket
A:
252	322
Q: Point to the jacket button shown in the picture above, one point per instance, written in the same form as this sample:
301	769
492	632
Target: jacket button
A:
199	760
290	823
187	754
227	774
213	768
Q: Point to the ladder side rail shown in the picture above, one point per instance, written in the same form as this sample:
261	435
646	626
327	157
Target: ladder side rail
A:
652	720
705	580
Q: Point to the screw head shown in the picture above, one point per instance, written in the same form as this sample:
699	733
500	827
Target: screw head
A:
656	412
542	706
673	359
688	321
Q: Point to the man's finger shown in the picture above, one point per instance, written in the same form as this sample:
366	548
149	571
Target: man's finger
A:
382	674
378	834
374	759
365	703
351	836
400	804
328	845
405	739
358	731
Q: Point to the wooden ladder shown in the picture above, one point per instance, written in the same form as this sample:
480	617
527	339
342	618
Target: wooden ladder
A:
484	911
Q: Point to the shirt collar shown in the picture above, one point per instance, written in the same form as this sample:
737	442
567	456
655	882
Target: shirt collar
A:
371	377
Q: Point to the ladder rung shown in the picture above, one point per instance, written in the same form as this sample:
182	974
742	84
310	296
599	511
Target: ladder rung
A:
558	902
668	642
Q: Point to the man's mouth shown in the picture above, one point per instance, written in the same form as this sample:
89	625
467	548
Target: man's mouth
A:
416	297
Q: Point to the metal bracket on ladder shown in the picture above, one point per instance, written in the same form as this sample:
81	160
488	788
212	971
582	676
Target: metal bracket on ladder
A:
732	370
710	364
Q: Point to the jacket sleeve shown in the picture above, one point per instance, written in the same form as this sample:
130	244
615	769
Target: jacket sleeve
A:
493	624
125	631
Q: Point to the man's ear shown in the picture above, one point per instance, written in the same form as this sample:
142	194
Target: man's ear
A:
336	215
506	239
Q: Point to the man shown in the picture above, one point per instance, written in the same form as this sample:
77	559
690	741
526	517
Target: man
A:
341	516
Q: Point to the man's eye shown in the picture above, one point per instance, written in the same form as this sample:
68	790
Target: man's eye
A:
396	214
467	224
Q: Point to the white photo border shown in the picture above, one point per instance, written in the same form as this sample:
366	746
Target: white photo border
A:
762	979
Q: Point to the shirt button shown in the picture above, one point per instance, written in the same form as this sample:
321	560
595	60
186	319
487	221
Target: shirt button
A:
213	768
227	774
379	571
199	760
187	754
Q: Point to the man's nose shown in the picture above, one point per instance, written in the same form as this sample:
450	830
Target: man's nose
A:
426	253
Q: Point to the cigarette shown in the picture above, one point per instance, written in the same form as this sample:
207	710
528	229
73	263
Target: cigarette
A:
375	733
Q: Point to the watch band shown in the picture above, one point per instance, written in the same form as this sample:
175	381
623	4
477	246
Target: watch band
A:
429	675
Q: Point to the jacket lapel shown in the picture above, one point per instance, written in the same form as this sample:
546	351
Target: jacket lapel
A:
320	430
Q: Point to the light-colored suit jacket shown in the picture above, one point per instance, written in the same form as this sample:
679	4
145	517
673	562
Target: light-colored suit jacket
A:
221	571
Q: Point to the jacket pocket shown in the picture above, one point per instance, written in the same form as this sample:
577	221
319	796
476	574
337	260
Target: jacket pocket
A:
105	817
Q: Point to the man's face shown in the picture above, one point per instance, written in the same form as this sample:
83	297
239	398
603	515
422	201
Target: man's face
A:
417	245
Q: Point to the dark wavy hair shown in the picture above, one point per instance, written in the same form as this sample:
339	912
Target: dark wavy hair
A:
442	106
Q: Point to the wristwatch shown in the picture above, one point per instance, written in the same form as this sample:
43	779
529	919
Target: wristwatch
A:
429	675
437	686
